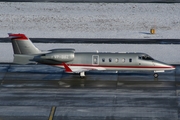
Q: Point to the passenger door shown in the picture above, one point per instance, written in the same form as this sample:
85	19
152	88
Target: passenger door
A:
95	59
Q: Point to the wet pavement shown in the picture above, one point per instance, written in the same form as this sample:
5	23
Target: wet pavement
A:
42	92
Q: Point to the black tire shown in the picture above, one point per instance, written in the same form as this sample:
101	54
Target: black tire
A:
156	75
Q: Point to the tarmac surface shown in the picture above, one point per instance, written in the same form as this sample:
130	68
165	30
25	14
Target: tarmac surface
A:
41	92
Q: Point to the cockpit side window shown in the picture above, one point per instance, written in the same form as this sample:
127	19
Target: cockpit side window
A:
146	57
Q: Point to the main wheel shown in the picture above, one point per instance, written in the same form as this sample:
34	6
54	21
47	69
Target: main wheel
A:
82	74
155	75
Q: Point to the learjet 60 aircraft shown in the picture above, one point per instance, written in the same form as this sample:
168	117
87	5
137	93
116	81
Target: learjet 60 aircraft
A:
79	62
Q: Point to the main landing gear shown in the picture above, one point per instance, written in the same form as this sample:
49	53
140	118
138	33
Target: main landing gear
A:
82	74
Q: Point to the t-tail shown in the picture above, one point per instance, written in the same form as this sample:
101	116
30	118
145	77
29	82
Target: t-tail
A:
24	49
23	45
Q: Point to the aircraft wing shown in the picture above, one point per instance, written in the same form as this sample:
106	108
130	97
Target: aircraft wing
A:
76	70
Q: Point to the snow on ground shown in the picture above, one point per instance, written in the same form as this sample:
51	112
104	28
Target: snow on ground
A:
93	20
165	53
90	20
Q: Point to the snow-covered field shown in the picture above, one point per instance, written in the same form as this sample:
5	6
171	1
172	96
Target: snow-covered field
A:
90	20
93	20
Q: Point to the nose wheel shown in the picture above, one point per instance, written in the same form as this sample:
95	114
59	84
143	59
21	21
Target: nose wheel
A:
156	75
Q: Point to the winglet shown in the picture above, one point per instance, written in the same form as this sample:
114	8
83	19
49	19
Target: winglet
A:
67	69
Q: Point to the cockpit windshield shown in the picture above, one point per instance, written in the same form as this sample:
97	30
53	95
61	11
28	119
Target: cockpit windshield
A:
145	57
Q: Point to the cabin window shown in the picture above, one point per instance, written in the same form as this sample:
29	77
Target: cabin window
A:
110	60
103	60
140	57
117	60
130	60
123	60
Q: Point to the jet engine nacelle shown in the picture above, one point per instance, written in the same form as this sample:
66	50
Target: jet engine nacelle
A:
61	56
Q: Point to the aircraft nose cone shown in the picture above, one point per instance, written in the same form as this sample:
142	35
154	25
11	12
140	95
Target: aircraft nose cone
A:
172	67
164	66
168	67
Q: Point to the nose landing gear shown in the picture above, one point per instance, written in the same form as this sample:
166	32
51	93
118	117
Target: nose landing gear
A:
156	75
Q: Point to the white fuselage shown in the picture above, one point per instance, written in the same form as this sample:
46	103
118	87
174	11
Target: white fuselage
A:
116	61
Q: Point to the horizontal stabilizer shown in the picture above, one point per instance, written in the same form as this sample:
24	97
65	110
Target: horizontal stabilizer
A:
17	36
62	50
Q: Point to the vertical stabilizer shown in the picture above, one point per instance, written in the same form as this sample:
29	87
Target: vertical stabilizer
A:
23	45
